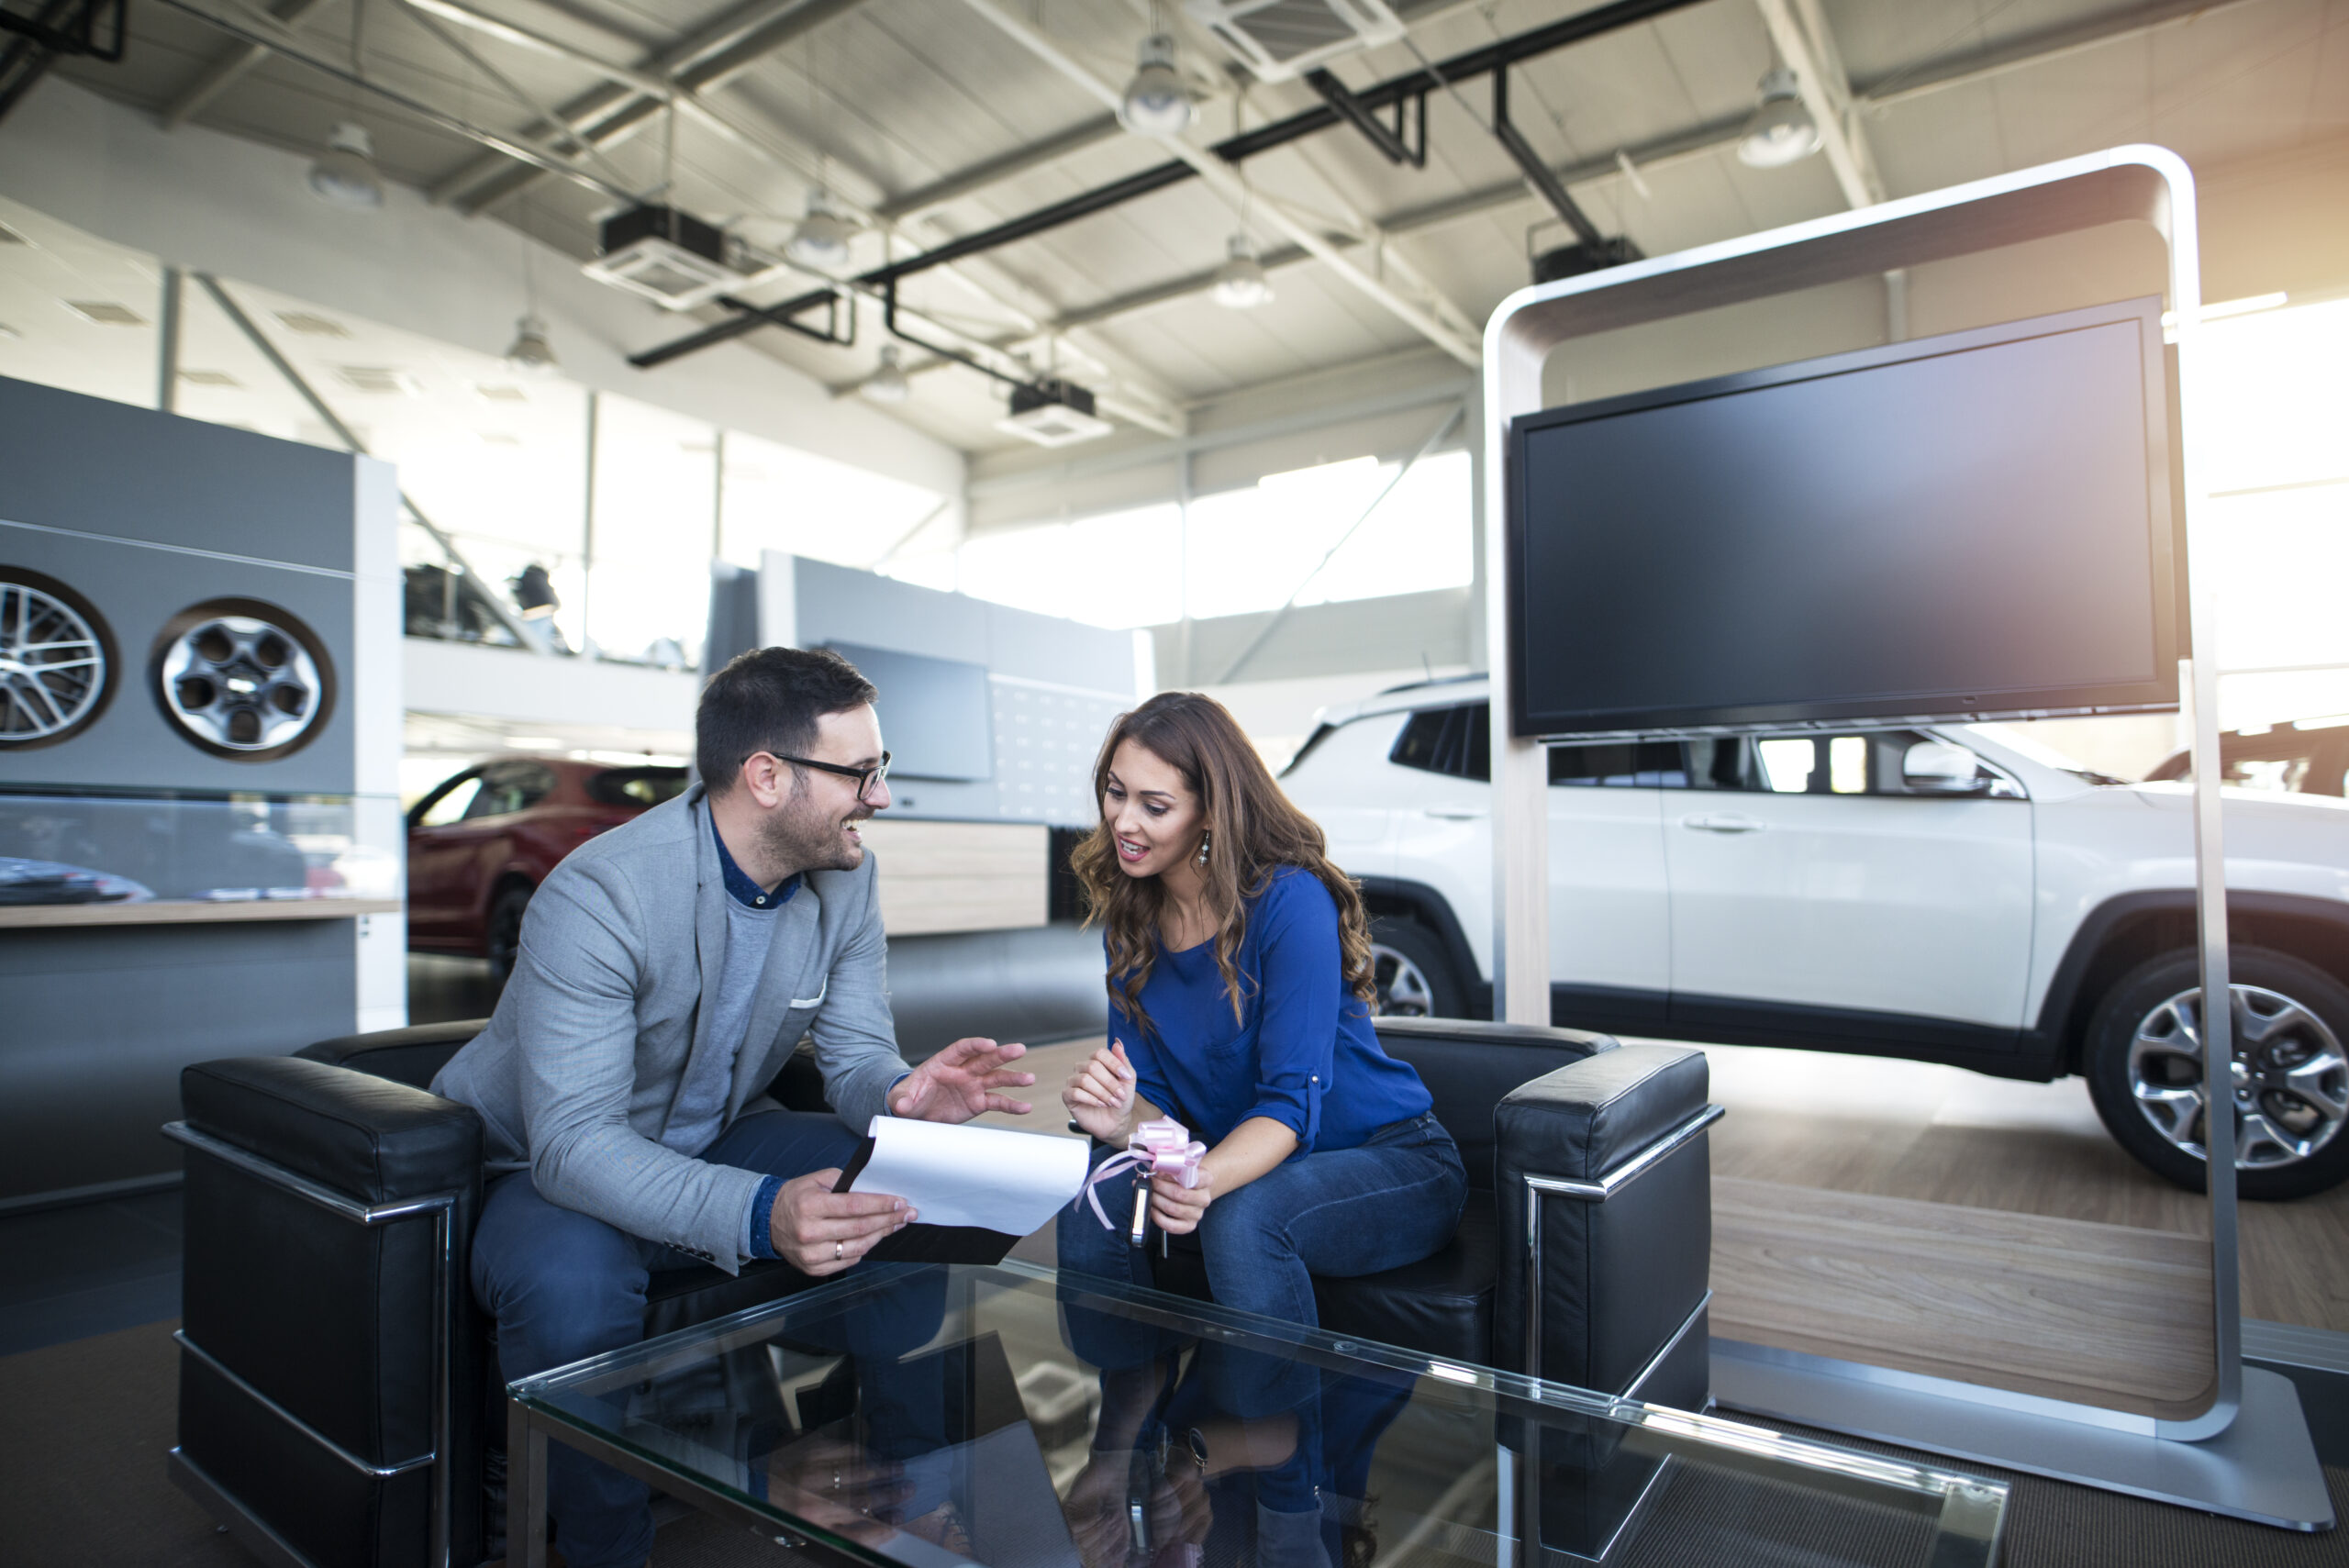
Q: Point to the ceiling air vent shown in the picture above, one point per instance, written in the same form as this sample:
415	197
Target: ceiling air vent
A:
1053	412
1280	39
671	258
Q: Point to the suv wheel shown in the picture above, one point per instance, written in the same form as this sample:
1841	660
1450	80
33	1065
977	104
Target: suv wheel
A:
504	929
2143	1064
1415	979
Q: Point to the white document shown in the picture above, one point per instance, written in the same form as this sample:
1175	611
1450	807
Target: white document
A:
987	1177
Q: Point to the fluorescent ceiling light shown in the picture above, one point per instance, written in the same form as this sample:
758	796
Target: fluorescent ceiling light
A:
105	313
1156	103
312	325
1781	130
344	174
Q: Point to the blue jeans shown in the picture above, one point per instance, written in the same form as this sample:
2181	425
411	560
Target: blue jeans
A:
1390	1201
565	1285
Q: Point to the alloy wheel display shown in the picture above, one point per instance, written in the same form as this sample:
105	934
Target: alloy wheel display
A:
2290	1081
57	660
243	679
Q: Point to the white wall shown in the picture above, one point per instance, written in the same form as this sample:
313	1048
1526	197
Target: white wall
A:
203	200
528	688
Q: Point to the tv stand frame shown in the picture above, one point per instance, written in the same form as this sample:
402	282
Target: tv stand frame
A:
2248	1454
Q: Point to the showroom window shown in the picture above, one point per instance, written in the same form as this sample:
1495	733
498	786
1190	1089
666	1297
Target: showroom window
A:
1119	569
778	498
654	528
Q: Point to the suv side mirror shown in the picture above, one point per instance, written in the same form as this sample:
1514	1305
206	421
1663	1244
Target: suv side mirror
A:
1935	767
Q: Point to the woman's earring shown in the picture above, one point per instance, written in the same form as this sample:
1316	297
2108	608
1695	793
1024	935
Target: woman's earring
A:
1206	839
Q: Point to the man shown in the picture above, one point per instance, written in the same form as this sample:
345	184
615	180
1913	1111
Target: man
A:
666	971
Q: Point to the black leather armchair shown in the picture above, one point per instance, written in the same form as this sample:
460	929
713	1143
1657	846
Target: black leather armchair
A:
338	1396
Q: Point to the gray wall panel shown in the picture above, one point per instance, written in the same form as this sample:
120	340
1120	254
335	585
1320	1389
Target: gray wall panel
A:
71	462
137	588
100	1021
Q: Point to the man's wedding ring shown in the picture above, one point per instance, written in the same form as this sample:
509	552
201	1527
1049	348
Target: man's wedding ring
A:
836	1252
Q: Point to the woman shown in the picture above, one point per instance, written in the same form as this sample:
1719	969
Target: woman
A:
1240	990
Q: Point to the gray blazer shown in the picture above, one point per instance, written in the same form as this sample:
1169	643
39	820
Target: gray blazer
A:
580	1067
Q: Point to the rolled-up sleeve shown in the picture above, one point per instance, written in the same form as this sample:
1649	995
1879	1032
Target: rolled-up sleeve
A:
1297	1041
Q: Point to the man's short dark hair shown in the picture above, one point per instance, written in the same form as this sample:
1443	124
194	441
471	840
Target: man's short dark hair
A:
769	700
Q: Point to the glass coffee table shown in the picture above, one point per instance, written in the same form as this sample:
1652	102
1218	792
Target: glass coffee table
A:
933	1415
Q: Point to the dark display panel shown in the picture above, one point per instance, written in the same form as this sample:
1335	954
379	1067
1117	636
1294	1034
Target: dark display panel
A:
1968	527
936	715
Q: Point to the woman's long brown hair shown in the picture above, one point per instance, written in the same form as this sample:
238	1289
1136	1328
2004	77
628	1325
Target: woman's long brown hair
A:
1256	832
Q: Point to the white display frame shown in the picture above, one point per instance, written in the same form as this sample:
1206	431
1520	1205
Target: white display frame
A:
2248	1454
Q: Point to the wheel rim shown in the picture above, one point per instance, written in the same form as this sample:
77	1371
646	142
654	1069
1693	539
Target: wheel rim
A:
2292	1081
1404	991
505	934
240	685
52	665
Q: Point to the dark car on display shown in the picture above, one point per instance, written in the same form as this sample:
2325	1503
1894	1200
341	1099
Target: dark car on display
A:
480	843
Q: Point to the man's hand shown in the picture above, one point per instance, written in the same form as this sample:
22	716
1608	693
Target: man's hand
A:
1100	1095
819	1231
961	1081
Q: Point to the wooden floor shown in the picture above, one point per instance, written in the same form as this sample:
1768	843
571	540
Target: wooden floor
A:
1940	1135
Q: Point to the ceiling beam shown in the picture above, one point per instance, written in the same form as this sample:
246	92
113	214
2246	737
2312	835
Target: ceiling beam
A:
1019	161
1430	314
1280	133
701	62
2038	49
223	73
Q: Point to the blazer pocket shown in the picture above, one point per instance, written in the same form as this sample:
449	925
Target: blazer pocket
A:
796	1002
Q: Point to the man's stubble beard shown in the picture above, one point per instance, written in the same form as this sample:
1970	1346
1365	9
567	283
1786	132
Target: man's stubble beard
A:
798	835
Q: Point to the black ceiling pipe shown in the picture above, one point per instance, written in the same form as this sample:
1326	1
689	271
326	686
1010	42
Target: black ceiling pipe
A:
1495	56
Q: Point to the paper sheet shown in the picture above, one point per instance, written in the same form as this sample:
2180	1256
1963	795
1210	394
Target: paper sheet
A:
985	1176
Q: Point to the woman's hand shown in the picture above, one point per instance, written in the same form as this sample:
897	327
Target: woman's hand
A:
1100	1095
1178	1208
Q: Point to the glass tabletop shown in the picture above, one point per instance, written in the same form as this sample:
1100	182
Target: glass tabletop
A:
930	1416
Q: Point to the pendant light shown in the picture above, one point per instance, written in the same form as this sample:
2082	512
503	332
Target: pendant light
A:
821	240
344	174
1239	283
888	384
1156	103
530	353
1781	131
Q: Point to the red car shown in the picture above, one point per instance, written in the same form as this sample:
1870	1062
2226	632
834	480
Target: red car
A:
479	845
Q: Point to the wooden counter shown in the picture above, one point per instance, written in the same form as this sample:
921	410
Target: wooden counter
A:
189	912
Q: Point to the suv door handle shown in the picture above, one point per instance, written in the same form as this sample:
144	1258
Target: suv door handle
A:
1457	813
1722	822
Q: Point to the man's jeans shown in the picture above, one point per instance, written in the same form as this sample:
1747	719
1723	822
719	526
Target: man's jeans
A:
564	1287
1341	1212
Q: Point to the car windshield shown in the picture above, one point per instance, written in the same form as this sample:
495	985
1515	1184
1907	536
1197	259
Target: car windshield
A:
2018	738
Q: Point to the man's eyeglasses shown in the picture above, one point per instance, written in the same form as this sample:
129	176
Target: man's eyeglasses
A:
865	777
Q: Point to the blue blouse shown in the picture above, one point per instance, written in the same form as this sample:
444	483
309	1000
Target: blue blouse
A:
1302	1051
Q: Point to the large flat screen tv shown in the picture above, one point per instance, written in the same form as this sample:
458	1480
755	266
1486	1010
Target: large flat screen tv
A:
1975	526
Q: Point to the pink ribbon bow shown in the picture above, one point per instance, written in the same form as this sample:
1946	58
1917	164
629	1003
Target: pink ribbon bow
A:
1162	1148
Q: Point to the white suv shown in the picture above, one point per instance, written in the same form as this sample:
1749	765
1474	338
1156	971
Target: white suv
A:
1952	893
